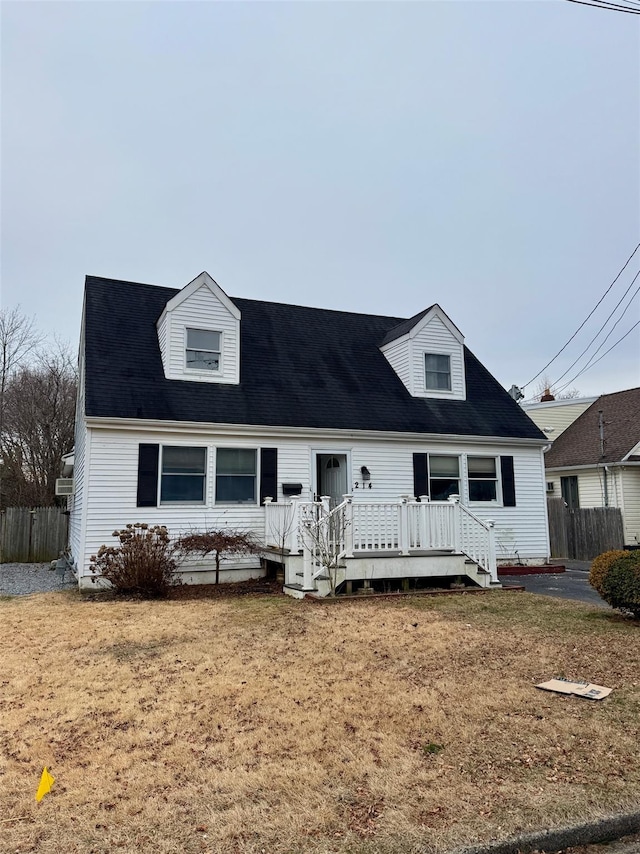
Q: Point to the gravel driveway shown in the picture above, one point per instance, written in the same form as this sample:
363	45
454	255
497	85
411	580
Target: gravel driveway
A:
20	579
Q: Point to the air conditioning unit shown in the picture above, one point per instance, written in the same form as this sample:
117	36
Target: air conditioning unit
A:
550	486
64	486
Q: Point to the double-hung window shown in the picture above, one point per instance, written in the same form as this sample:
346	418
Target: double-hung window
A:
444	477
483	478
203	350
236	475
183	475
437	372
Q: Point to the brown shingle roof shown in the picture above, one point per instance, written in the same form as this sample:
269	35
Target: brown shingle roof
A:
579	445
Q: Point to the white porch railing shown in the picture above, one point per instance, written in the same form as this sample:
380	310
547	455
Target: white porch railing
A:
404	526
283	522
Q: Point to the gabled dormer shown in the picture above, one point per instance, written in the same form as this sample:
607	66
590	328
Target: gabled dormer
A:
427	353
199	334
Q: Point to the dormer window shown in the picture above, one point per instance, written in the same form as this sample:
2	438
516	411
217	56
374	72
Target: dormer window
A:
203	350
437	372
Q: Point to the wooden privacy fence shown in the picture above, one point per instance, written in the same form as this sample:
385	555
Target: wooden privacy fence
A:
32	536
584	533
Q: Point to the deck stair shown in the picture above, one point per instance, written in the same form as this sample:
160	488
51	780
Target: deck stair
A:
365	541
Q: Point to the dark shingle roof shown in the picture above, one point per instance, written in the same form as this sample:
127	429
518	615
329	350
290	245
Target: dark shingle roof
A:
404	327
579	444
300	367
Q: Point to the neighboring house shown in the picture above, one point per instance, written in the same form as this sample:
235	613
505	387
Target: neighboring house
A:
596	460
196	409
554	416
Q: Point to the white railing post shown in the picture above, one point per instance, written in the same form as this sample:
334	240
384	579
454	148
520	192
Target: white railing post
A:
404	525
293	538
307	556
457	523
425	526
348	525
493	563
268	520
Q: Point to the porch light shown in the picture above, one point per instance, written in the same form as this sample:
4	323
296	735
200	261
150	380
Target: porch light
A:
366	474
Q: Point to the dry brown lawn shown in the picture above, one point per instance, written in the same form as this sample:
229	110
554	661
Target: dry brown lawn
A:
262	724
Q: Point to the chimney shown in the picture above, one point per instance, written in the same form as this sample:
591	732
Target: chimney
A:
547	396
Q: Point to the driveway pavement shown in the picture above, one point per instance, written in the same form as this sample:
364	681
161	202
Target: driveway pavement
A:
571	584
626	845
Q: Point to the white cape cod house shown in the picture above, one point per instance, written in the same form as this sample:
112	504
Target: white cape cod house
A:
199	410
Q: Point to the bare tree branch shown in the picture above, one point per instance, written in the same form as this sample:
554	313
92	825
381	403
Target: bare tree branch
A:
18	339
37	428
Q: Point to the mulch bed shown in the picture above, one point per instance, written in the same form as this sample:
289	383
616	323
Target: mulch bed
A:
233	589
530	570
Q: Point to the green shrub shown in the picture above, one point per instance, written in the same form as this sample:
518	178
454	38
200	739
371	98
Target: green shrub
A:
600	567
142	564
621	584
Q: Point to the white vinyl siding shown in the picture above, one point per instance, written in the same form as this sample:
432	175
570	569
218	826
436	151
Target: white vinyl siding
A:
436	338
201	310
77	501
554	417
397	354
630	485
162	338
114	470
434	335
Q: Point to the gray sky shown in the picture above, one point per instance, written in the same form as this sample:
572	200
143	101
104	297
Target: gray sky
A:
373	157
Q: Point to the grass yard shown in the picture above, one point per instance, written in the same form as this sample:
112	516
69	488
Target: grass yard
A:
263	724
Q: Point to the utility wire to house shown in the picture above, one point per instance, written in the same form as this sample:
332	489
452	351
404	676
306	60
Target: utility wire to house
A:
586	368
626	308
606	338
620	6
591	313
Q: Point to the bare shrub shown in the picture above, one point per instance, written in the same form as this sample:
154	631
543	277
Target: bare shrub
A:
220	542
144	563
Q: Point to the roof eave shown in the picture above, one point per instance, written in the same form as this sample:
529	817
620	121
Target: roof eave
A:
262	429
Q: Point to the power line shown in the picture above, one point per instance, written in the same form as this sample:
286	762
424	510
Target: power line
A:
583	370
562	376
612	7
585	320
605	339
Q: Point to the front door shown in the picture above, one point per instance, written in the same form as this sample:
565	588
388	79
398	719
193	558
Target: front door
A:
331	477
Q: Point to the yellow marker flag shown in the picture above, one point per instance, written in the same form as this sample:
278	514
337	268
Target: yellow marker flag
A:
46	782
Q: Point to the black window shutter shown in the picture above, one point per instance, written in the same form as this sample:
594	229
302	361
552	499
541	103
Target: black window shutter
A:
420	484
268	474
508	482
147	475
